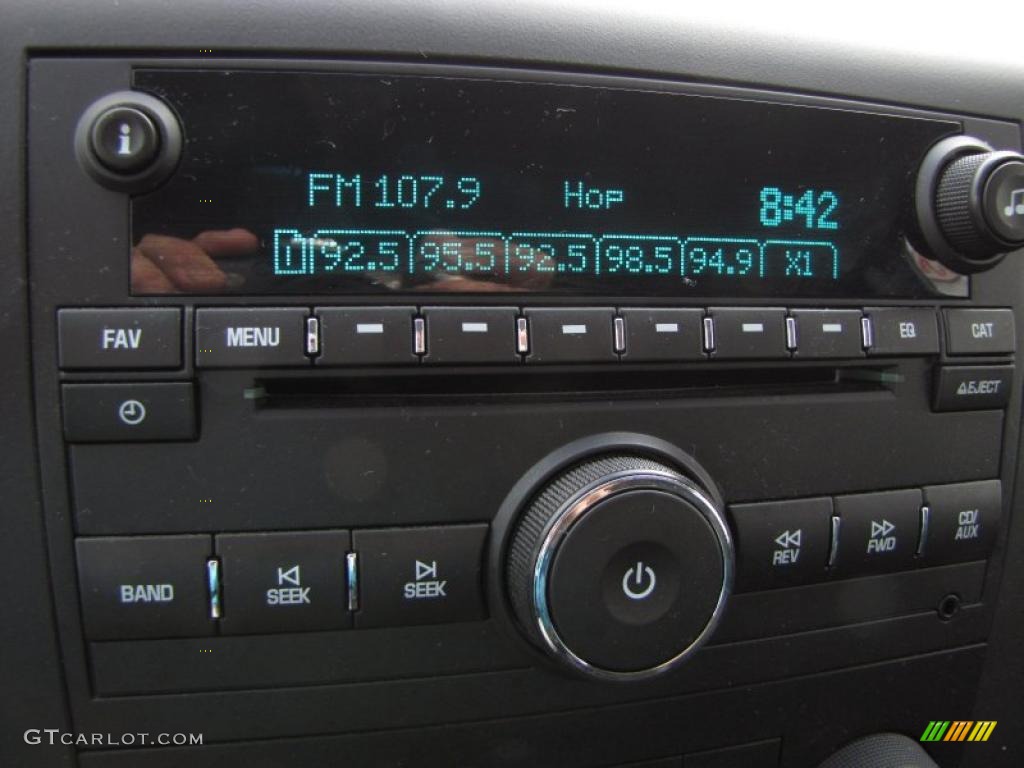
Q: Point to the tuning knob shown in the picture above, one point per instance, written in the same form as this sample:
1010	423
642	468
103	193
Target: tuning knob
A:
970	203
620	567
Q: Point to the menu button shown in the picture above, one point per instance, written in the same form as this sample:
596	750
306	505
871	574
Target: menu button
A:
227	338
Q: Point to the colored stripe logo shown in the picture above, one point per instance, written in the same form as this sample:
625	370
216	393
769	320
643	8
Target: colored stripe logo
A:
958	730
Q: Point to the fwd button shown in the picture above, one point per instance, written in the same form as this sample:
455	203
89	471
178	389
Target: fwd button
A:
878	532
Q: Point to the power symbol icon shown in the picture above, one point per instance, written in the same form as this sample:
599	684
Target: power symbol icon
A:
638	582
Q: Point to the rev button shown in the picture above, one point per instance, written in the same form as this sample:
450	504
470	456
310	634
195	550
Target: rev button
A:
781	543
419	575
284	582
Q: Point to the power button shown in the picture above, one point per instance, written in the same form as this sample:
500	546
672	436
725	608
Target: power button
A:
639	581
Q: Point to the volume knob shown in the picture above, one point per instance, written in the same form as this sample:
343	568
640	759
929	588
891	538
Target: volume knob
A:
970	202
620	567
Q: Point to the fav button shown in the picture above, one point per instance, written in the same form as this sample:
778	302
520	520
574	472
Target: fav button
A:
251	337
119	338
284	582
878	532
781	543
963	520
144	586
419	575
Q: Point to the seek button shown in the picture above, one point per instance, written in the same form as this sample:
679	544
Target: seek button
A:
284	582
419	575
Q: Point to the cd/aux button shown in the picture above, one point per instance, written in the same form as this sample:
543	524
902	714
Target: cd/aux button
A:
963	520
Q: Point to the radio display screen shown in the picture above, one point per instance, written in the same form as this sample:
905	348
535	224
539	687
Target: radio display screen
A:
356	184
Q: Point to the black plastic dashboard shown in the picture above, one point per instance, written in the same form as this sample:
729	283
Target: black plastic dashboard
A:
431	362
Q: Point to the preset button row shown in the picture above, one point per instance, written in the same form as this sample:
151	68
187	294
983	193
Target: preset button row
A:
802	541
151	338
252	583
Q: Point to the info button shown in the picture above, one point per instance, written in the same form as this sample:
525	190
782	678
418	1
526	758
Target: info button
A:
419	575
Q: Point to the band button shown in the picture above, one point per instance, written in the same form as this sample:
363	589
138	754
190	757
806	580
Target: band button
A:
144	586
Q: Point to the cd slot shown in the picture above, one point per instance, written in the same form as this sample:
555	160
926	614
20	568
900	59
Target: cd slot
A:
401	389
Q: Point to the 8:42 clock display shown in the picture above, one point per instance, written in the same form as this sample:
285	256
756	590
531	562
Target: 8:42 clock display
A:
813	208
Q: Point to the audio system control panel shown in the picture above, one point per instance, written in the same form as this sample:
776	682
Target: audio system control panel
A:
252	583
368	380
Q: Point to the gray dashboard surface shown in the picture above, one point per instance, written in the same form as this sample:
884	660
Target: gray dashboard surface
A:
907	54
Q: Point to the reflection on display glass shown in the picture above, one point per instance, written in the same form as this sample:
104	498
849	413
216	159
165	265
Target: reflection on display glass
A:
346	184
